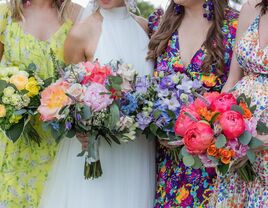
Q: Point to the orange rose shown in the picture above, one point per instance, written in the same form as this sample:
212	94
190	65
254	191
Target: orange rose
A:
226	160
212	150
247	112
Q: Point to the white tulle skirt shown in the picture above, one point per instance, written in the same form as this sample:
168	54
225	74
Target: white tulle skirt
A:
128	179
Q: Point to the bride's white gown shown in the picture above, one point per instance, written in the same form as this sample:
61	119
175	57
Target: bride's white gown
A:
128	179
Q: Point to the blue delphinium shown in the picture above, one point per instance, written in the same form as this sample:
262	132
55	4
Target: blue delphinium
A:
129	104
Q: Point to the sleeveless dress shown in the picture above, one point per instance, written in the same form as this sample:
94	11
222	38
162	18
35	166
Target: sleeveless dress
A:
230	190
128	169
178	185
24	168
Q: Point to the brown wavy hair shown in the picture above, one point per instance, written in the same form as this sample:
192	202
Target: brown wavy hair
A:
213	43
16	7
263	5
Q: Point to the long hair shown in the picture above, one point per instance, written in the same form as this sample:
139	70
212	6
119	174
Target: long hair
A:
16	7
264	6
213	43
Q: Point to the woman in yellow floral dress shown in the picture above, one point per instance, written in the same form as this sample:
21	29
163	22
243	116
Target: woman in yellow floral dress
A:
29	30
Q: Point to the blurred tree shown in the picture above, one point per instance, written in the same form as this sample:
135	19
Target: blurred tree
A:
145	9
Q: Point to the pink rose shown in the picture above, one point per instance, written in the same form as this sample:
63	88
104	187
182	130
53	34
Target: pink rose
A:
53	99
184	121
223	103
198	137
209	97
232	124
96	73
77	91
96	98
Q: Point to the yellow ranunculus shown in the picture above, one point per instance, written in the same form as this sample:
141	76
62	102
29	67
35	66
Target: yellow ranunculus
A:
32	87
19	80
2	111
15	118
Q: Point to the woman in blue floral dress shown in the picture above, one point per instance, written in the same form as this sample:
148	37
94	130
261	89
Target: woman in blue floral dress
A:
178	185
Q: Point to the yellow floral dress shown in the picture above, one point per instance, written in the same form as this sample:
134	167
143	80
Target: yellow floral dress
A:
23	167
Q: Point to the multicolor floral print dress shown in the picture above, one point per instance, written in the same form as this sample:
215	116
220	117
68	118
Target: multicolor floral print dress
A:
23	167
178	185
230	190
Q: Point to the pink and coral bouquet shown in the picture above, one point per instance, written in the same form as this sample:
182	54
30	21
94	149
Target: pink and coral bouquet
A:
218	130
86	100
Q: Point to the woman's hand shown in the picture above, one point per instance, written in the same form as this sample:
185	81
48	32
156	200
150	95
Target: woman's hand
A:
83	138
170	144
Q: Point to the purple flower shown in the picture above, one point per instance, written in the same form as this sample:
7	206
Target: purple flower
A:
239	149
142	85
162	93
172	104
167	83
208	163
78	117
197	84
68	125
186	85
143	120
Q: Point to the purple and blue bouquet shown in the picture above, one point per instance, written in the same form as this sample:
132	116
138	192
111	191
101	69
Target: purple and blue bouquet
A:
156	103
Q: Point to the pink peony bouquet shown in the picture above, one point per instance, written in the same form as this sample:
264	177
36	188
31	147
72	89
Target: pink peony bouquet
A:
86	100
218	130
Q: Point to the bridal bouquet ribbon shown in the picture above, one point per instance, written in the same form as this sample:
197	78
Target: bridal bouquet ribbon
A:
218	130
19	100
86	100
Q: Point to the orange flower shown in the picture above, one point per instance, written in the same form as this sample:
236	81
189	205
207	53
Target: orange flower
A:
209	81
266	62
247	112
206	114
212	150
226	160
156	74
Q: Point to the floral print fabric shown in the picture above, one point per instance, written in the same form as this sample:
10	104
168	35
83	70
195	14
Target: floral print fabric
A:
254	61
24	167
177	185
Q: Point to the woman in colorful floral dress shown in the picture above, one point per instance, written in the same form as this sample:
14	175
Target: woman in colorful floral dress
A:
250	66
181	32
25	38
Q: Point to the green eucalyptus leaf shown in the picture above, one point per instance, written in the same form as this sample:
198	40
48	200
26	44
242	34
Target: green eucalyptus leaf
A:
86	112
188	160
238	109
197	163
221	141
251	156
255	143
3	85
245	138
184	151
15	131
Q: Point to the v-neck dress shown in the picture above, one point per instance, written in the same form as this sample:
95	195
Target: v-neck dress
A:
230	190
178	185
23	167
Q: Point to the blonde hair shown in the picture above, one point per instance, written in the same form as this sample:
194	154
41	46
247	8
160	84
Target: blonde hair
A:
16	7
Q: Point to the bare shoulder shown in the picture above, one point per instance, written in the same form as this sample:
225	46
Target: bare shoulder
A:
248	14
84	29
142	22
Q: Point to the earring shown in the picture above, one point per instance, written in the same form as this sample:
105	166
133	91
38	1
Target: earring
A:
209	10
178	9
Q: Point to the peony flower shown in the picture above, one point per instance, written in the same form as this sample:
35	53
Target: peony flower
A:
127	72
96	73
53	99
96	98
77	91
198	137
2	111
33	87
209	97
232	124
223	103
184	121
19	80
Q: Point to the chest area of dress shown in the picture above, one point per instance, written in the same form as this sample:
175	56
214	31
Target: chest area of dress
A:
250	56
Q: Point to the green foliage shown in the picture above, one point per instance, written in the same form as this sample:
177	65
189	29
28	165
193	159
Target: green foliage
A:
145	9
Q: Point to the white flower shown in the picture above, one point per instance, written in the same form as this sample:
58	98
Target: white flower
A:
25	100
184	97
15	99
127	72
23	73
77	91
8	71
172	104
5	100
9	91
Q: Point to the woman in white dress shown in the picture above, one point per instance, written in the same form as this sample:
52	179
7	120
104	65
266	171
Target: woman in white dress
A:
110	32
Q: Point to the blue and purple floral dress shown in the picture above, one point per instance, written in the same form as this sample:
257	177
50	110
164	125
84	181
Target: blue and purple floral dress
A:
178	185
